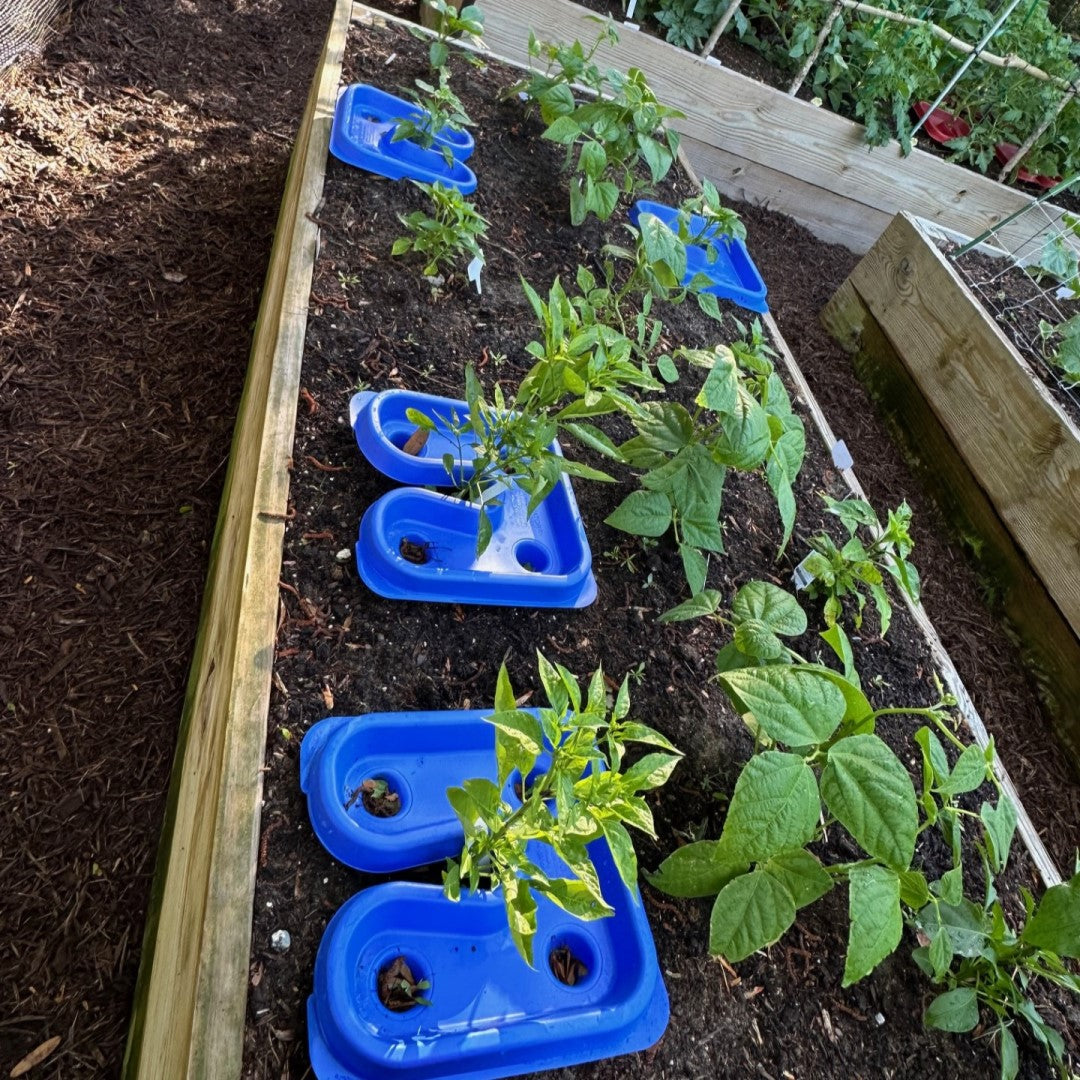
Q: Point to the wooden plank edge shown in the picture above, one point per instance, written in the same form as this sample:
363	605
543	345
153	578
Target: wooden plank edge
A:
907	264
200	910
888	181
1051	649
1048	871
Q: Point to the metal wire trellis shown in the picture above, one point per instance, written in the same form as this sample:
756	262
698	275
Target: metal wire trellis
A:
25	26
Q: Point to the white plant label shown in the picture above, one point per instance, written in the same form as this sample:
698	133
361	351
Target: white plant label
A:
473	271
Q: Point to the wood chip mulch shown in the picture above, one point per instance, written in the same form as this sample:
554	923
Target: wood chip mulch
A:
142	161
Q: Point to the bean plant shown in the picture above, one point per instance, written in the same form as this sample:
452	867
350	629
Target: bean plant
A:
819	766
451	230
743	420
858	569
574	787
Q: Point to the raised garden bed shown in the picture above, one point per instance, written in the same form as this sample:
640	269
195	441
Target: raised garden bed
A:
342	651
1003	455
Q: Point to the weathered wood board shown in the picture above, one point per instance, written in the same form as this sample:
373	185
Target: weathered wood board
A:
188	1015
1001	455
790	147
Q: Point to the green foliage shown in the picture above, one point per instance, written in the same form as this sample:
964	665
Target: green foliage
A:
440	108
688	23
858	569
451	231
606	136
873	69
743	420
575	788
469	20
1061	348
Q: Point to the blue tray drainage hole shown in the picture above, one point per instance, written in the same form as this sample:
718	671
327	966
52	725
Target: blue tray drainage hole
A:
403	983
380	796
572	959
418	552
532	556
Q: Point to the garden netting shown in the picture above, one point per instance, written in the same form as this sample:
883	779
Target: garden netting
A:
24	27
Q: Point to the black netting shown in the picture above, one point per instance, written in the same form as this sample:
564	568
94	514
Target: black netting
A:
24	27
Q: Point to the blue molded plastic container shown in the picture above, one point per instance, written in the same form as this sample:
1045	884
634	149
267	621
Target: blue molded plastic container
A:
420	755
537	560
491	1015
733	273
382	429
362	135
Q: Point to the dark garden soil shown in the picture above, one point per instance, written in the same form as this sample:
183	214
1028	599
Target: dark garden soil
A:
142	162
375	322
141	166
1017	302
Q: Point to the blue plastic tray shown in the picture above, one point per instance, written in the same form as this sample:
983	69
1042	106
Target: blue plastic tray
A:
420	755
542	560
733	273
362	135
491	1015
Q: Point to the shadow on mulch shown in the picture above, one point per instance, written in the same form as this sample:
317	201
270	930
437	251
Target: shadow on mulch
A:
142	161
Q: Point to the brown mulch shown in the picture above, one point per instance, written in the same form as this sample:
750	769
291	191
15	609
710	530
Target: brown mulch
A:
142	161
141	168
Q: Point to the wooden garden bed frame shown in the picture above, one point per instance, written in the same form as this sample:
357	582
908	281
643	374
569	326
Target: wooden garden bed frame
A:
999	453
762	145
189	1012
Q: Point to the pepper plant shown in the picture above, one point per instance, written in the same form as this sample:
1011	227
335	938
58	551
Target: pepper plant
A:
453	229
439	107
858	569
607	136
574	787
451	22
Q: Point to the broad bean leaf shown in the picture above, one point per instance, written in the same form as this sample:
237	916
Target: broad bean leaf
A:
869	792
750	912
774	607
1055	925
955	1010
801	874
774	807
699	869
642	513
794	705
876	921
967	774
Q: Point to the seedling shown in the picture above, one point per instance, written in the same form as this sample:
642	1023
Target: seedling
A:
578	791
439	108
1061	348
398	986
857	569
743	420
451	231
451	23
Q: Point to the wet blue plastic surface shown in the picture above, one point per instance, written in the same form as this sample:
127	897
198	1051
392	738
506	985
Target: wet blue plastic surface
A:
542	560
490	1014
733	273
420	755
362	135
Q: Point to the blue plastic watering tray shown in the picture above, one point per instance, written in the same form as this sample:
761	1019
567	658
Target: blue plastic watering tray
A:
490	1014
362	135
421	545
733	273
419	755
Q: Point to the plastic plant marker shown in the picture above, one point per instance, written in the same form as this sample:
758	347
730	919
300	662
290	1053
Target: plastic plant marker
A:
362	135
421	545
941	126
732	273
419	755
490	1014
1005	152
